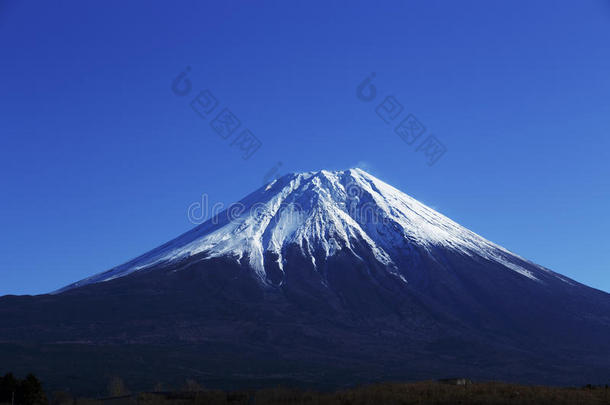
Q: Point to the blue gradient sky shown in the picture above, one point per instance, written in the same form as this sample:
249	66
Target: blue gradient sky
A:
99	159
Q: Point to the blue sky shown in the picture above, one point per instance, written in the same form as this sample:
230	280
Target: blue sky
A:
100	159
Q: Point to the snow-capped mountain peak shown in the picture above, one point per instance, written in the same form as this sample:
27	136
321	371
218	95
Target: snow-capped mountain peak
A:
322	213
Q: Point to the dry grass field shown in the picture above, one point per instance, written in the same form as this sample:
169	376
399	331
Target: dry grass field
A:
421	393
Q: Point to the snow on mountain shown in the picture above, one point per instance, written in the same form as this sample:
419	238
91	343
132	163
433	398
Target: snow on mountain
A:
328	212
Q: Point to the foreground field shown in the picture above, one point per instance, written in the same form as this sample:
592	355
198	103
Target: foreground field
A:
378	394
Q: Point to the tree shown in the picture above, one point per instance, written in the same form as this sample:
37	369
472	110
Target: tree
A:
24	392
191	386
8	388
117	388
30	392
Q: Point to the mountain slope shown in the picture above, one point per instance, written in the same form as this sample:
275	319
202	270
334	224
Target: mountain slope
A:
322	278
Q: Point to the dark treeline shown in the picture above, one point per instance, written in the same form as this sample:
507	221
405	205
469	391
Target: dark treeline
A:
27	391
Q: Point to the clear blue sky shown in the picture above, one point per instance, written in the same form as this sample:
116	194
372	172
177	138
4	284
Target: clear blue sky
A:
99	159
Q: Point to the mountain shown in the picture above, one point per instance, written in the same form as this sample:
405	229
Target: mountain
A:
322	214
317	279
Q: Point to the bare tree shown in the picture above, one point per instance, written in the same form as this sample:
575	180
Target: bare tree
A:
116	387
